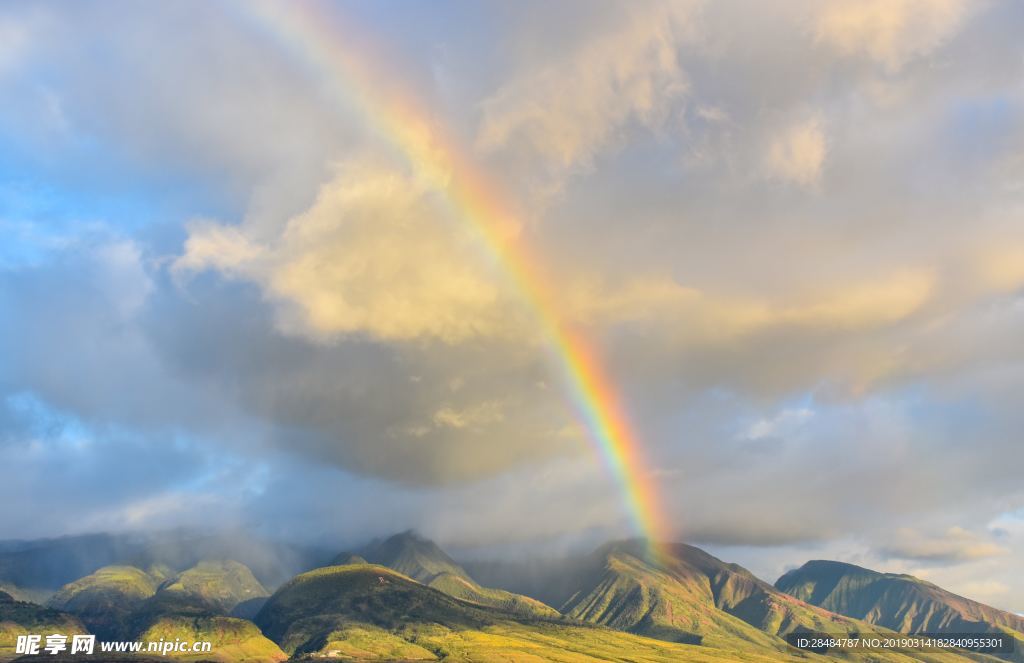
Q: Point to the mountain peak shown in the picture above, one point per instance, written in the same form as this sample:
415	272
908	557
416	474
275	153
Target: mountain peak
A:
831	565
215	585
423	560
413	555
897	601
345	558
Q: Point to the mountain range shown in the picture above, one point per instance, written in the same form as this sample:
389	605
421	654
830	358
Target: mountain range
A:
896	601
404	598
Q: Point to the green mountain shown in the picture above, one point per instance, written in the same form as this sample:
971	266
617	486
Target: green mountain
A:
366	612
23	618
194	605
423	561
414	556
898	602
412	601
694	597
233	640
216	586
104	600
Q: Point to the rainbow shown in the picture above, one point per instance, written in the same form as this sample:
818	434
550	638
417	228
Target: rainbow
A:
316	37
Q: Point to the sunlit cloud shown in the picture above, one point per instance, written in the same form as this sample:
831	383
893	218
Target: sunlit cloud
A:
798	155
892	32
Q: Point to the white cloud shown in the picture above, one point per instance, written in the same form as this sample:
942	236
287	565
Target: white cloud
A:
955	544
566	111
891	32
477	416
784	423
14	39
798	153
373	255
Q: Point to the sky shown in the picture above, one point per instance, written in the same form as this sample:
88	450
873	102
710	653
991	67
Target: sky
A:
793	232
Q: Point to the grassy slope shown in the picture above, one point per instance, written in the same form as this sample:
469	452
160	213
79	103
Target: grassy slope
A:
467	590
347	611
423	561
413	556
192	606
233	639
899	602
697	598
104	600
217	585
21	618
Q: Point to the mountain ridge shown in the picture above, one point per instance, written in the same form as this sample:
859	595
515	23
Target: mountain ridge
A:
423	560
685	603
899	602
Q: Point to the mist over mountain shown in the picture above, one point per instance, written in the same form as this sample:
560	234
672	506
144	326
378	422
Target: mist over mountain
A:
45	565
424	561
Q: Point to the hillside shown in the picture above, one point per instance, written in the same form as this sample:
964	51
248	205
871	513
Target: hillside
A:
193	598
423	561
414	556
104	600
22	618
194	605
694	597
217	586
369	612
233	640
898	602
617	602
40	596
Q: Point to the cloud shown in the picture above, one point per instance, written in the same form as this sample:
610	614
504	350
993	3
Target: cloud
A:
954	545
891	32
478	415
13	41
213	265
426	412
101	470
373	255
781	424
1002	268
860	305
565	111
798	155
214	246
